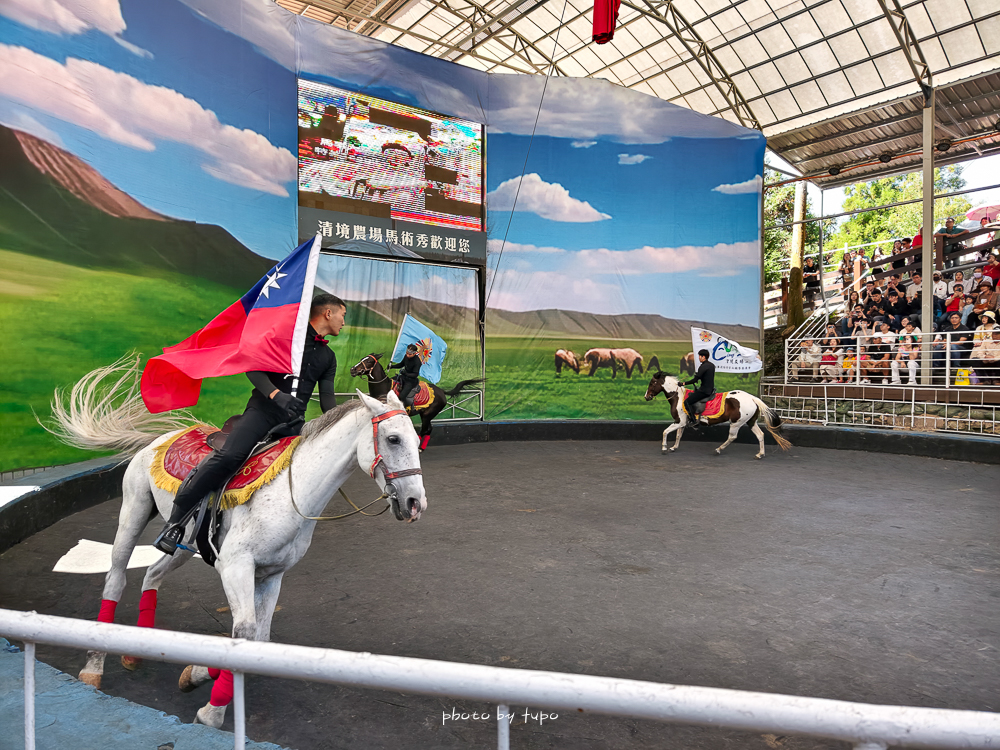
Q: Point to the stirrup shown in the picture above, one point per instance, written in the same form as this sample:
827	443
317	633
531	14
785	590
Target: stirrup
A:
169	539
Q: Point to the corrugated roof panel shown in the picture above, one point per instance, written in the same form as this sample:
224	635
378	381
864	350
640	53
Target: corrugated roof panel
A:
894	68
746	84
836	87
730	23
793	68
750	51
768	78
783	105
878	36
962	45
809	96
989	31
831	17
820	58
919	21
848	48
862	10
775	40
864	78
803	30
947	13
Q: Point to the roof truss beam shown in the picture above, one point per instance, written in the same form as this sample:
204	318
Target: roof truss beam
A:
668	15
908	43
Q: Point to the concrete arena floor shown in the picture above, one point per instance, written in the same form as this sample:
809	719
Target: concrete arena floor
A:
853	576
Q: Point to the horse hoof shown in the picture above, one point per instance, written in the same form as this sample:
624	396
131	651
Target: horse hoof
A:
759	456
211	716
91	678
672	449
718	451
192	678
131	663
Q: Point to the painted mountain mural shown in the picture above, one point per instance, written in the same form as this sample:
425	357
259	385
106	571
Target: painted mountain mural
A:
53	205
91	275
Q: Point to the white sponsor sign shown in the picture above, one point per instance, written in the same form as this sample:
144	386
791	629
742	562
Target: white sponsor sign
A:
726	355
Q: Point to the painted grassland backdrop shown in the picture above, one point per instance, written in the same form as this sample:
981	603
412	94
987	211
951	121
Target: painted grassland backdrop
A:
147	178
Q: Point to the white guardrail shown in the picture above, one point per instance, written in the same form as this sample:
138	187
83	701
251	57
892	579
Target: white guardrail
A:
866	726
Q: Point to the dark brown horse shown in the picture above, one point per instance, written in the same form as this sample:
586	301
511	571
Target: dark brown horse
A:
379	385
741	408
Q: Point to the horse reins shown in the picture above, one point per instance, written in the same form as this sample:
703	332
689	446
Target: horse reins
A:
368	372
388	475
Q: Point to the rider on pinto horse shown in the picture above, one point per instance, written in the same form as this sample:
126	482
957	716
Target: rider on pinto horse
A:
705	374
271	406
409	375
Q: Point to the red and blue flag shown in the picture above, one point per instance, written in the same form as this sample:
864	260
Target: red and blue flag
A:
264	330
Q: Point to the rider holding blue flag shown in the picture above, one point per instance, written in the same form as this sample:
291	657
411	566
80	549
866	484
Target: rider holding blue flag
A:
706	389
409	375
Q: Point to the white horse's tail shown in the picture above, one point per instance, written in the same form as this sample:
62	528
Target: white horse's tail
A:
773	423
105	412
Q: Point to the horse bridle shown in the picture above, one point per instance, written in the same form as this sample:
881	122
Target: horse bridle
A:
387	475
368	371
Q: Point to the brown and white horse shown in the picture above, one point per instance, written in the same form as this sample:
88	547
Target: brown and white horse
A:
741	408
566	358
379	385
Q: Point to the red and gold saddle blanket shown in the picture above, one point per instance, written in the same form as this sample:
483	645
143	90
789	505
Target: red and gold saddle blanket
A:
715	406
423	399
176	456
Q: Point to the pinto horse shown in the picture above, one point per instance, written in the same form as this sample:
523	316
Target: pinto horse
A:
380	384
566	358
741	408
260	540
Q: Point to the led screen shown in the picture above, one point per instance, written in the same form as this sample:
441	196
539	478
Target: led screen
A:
368	156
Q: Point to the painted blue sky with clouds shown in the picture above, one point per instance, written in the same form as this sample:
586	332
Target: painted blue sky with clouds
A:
619	210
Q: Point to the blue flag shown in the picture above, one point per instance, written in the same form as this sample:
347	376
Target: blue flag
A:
430	347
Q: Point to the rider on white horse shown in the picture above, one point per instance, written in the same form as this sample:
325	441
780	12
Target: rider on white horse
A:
271	405
705	374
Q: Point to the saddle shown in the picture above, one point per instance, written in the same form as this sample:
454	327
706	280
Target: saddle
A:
423	398
175	458
710	407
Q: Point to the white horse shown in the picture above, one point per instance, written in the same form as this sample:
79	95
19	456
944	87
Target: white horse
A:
260	540
741	408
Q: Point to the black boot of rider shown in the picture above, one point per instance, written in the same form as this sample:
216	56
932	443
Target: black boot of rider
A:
173	533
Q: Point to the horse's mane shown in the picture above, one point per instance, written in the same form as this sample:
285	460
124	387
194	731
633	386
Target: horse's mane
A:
322	423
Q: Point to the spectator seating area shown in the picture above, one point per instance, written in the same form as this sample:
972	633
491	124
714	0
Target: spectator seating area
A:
877	336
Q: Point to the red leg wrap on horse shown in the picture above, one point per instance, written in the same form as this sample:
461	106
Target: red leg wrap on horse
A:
214	673
222	689
424	441
107	613
147	609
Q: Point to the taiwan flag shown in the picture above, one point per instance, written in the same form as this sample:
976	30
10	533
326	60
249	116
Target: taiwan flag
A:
264	330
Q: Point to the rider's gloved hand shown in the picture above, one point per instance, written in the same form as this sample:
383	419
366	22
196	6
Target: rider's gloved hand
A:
292	406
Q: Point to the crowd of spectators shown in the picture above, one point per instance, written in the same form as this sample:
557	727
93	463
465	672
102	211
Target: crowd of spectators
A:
878	337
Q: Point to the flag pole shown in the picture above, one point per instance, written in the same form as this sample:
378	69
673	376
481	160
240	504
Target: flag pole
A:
399	336
307	290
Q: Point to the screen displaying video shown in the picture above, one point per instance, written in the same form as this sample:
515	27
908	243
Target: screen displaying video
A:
368	156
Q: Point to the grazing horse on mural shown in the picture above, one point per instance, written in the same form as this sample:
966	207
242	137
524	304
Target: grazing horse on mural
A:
566	358
260	540
687	364
629	359
735	407
428	402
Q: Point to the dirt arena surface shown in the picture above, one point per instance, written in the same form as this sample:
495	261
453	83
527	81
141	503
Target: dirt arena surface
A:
835	574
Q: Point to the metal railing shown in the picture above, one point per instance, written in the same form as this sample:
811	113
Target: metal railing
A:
466	405
865	726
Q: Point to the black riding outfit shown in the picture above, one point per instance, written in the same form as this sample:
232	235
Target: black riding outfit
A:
705	374
409	378
283	416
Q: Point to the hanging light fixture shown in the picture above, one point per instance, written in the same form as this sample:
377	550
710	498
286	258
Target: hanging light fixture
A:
886	157
834	171
943	145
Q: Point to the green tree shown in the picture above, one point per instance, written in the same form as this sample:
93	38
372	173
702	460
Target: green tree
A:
902	221
779	208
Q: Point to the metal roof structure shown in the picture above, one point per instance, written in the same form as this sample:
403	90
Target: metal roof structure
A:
831	83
